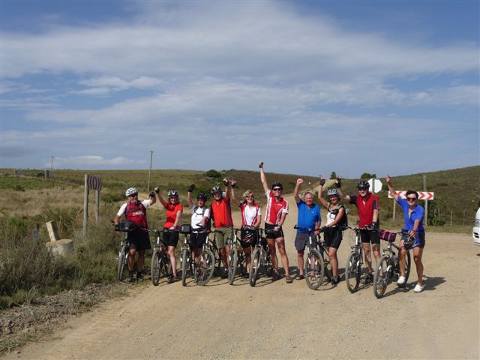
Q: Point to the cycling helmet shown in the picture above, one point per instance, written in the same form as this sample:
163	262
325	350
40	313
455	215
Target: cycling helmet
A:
202	196
277	184
172	193
332	192
363	185
216	189
131	191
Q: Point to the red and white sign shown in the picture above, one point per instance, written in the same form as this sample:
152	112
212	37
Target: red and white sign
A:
422	195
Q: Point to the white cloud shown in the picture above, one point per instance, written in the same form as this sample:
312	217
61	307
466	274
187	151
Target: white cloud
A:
94	161
108	84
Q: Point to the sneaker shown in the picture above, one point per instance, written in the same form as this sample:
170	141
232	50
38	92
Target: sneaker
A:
401	280
419	288
335	280
140	275
275	275
288	279
224	274
299	277
131	277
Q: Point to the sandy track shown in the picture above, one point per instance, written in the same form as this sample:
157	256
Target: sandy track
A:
279	320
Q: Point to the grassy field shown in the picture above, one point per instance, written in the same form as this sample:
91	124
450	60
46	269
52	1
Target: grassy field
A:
27	270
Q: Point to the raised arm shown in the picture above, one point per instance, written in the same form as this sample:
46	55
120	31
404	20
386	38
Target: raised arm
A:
178	219
320	193
160	197
391	190
189	195
297	189
263	178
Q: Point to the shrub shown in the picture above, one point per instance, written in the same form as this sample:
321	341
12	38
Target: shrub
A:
213	174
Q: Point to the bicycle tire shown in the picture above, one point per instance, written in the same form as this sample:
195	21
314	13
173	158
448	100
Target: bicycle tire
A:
353	272
255	264
232	264
327	267
185	266
382	277
204	272
314	269
408	264
155	267
121	262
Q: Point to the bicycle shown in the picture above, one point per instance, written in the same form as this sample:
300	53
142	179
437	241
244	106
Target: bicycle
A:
212	245
160	265
123	252
388	269
354	268
317	266
201	269
261	260
236	258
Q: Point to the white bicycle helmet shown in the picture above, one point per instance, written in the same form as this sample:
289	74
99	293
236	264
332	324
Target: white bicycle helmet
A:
172	193
131	191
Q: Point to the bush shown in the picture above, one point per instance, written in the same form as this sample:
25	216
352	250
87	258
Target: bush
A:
213	174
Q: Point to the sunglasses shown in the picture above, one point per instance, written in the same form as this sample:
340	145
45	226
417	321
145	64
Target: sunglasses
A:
277	189
411	198
133	195
249	197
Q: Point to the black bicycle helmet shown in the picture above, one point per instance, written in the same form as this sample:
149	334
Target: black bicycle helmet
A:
216	189
363	185
202	196
277	184
172	193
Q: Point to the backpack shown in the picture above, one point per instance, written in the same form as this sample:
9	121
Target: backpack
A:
343	224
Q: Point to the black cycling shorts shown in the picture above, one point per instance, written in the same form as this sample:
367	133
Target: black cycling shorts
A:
248	238
333	237
272	234
370	236
139	239
197	239
170	237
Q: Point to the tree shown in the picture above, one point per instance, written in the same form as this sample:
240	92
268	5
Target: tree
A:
367	176
333	175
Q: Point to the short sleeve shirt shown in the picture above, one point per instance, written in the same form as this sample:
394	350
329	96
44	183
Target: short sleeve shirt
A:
121	211
275	208
365	206
171	214
409	219
250	214
307	216
222	213
198	213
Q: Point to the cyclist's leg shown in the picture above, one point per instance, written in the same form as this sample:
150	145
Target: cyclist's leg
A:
332	255
141	260
283	254
173	260
417	257
401	259
247	251
300	240
273	253
364	235
220	239
131	257
375	240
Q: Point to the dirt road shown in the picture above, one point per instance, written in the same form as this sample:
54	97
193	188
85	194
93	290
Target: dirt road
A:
287	321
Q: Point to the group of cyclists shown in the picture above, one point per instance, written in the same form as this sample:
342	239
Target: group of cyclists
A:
219	215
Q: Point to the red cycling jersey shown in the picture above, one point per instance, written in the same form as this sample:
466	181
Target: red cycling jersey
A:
275	208
365	206
221	213
171	214
136	213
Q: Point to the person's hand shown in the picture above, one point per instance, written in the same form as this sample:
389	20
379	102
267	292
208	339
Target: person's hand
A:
260	165
226	182
317	231
152	194
172	228
412	233
338	184
191	188
322	181
156	189
233	182
388	179
374	225
276	228
299	181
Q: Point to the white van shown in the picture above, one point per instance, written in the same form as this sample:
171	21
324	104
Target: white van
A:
476	228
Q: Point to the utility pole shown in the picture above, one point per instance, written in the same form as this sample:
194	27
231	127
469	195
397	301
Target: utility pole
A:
150	170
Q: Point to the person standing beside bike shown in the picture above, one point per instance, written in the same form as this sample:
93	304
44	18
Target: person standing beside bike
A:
135	211
333	230
413	215
368	206
308	218
173	218
251	219
221	212
199	221
275	213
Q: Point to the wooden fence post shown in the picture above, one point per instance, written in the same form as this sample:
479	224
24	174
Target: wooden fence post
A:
97	205
85	208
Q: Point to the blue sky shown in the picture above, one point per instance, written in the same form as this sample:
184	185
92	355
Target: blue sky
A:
308	87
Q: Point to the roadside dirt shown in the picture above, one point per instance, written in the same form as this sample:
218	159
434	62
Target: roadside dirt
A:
287	321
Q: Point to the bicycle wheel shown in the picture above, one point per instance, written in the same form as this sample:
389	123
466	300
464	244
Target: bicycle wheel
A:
328	274
204	269
255	266
185	265
232	264
314	269
121	263
353	272
155	267
408	264
382	277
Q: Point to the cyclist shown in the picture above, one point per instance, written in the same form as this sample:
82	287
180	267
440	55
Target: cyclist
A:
135	211
308	218
221	212
368	206
199	221
173	218
251	219
413	215
333	230
275	214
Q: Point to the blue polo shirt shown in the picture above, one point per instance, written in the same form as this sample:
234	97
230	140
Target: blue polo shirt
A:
417	213
307	216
